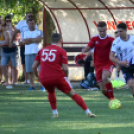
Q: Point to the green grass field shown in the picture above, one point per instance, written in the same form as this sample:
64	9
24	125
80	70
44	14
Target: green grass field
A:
28	112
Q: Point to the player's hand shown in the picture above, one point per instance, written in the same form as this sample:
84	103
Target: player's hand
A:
124	63
85	58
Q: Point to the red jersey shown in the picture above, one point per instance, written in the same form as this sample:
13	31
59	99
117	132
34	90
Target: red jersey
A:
51	59
102	48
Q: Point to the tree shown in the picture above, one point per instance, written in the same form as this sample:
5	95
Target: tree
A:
18	8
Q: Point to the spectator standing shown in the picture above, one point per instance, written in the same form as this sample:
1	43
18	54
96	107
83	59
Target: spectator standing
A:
32	39
21	27
14	53
1	40
5	38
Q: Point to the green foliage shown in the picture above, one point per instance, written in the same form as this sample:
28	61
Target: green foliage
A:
18	8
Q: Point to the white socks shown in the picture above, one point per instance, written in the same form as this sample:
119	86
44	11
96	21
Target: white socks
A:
55	111
87	111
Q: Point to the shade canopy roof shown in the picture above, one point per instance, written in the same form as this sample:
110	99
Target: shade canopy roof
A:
76	19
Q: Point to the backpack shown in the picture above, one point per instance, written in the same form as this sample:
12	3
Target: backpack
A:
89	82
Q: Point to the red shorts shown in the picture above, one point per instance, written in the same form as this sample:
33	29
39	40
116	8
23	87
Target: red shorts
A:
99	69
61	83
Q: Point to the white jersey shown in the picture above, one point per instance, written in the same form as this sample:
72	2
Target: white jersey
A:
34	47
124	49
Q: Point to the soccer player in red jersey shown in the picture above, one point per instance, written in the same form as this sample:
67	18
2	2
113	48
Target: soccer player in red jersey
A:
54	72
103	66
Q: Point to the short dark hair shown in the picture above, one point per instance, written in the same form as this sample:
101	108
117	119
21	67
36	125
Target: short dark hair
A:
8	17
122	25
101	24
56	37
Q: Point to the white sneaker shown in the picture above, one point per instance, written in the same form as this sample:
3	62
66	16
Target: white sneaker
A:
28	81
55	116
9	87
25	82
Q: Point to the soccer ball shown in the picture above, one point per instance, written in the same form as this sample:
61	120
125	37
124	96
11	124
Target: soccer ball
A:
115	104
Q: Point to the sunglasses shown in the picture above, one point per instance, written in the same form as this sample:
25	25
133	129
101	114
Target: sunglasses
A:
8	21
30	16
116	32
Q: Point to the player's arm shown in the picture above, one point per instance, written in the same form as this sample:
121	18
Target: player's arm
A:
113	59
7	39
89	46
35	66
88	54
65	63
86	49
117	61
65	69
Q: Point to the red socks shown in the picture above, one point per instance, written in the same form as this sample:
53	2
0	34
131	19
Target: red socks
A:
52	100
109	93
78	99
106	94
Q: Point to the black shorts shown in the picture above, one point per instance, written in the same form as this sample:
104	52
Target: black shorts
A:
89	58
128	72
22	54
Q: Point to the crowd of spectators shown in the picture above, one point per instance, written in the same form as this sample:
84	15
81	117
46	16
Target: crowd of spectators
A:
24	41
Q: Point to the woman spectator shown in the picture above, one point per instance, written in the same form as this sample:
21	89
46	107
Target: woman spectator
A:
10	53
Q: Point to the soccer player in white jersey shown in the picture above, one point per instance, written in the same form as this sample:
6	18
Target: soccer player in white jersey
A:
117	82
124	47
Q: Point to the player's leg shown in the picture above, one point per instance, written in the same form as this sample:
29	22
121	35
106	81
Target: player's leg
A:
51	96
130	83
128	74
52	101
103	89
79	101
108	84
65	87
98	71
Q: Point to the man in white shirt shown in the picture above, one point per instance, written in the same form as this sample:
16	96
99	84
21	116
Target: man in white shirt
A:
21	27
32	39
124	47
